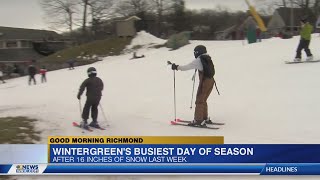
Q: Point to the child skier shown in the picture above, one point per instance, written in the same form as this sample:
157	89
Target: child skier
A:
43	72
305	33
204	65
94	86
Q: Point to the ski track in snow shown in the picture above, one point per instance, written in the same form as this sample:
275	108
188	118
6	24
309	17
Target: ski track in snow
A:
262	100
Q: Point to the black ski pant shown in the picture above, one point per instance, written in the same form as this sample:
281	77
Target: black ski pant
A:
43	78
31	77
92	104
1	78
304	44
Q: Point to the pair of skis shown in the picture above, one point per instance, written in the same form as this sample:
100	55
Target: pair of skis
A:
181	122
75	124
178	122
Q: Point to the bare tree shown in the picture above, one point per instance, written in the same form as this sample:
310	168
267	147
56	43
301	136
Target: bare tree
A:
306	4
297	3
281	3
179	17
101	9
161	7
316	8
85	4
60	12
284	3
97	10
133	7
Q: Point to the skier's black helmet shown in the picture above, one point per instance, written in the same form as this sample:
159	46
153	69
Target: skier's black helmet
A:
199	50
92	71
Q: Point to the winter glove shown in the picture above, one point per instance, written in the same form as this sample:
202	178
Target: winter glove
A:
79	96
174	66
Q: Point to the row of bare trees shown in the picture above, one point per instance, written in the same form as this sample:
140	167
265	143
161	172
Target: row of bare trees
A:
298	3
84	15
313	5
66	14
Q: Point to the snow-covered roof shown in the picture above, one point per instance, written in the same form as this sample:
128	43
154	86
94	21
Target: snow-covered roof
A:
136	18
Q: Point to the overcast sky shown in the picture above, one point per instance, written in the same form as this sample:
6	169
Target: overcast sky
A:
28	13
212	4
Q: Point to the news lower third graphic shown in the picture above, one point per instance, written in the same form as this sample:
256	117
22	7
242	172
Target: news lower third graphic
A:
159	156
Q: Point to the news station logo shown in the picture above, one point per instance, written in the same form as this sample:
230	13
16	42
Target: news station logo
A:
27	169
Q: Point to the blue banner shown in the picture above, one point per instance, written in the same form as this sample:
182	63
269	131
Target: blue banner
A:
183	154
154	169
4	169
254	169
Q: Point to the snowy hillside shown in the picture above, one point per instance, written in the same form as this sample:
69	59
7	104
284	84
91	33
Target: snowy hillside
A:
262	99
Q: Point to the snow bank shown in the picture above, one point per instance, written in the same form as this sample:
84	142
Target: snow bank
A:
145	40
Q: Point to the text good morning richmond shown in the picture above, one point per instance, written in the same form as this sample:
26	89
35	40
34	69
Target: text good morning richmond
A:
85	140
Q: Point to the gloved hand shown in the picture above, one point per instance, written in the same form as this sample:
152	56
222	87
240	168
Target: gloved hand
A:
79	96
174	66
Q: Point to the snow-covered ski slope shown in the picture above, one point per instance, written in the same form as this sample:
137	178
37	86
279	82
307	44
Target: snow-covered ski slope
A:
263	100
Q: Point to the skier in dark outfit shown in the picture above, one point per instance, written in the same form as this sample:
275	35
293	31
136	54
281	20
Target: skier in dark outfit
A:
206	83
94	86
32	72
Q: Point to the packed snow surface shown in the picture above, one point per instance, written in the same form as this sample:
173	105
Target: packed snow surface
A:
263	100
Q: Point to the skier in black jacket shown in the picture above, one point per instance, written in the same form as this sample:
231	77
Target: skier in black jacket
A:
94	86
32	72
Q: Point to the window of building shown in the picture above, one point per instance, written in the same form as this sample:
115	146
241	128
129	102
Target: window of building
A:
11	44
25	44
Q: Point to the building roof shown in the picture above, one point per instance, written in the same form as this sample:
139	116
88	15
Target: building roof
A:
136	18
131	18
32	34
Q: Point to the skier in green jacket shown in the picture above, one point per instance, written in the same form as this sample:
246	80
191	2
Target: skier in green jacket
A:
305	34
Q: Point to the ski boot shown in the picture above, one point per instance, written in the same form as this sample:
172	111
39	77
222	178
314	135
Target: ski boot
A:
94	124
297	60
200	123
84	125
208	121
309	58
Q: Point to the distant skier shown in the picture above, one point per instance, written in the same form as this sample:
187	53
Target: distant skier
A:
135	56
94	86
305	38
71	64
204	65
251	29
43	72
1	77
32	72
